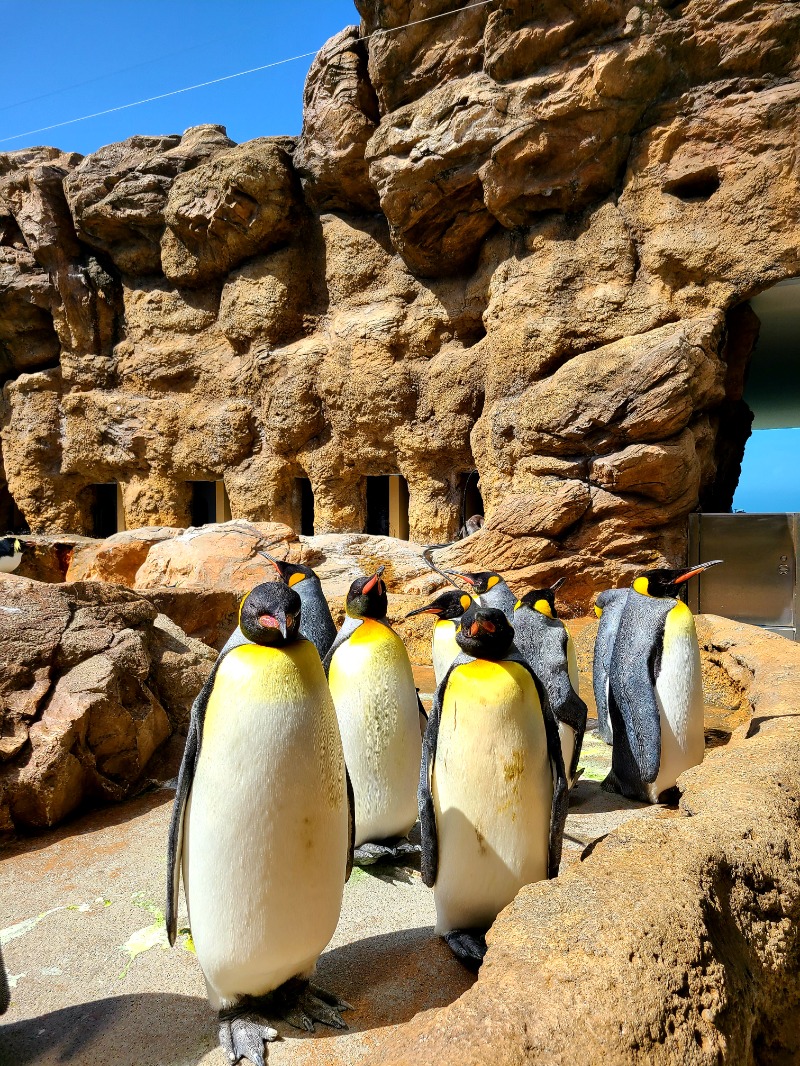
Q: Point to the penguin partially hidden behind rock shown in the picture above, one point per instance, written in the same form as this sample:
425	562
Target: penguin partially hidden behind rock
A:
10	554
316	623
543	640
608	607
491	590
262	828
492	790
448	608
376	701
655	688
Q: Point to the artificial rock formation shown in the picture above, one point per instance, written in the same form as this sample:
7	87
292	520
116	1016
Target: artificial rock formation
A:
518	238
92	680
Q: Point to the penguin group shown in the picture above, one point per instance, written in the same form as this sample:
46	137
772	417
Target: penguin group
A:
304	756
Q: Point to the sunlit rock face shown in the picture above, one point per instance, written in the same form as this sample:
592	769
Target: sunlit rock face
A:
516	239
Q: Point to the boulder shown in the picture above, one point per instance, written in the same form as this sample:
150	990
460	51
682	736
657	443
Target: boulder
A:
93	681
117	195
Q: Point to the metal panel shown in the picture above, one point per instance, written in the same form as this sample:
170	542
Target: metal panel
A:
758	581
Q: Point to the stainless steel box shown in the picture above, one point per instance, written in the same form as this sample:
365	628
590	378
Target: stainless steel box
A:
757	583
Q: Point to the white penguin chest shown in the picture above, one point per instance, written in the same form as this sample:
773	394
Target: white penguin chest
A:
679	697
445	648
265	844
376	703
492	789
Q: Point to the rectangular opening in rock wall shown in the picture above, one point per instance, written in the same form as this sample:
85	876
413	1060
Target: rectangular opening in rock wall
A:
203	503
105	510
471	499
223	508
398	507
387	506
305	498
377	506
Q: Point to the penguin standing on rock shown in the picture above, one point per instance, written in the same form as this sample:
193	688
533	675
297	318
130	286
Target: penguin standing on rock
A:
543	639
655	688
492	790
317	623
261	828
448	608
608	607
492	591
377	705
10	554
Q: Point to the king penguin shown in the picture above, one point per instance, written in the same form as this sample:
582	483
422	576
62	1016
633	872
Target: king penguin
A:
492	790
491	590
316	624
262	828
655	690
543	640
608	607
448	608
376	701
10	554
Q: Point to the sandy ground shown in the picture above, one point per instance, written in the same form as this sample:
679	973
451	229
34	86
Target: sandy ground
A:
94	982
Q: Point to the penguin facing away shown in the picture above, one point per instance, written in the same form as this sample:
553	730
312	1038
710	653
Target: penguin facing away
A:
10	554
608	607
316	624
448	608
491	590
655	690
544	641
378	708
492	790
261	828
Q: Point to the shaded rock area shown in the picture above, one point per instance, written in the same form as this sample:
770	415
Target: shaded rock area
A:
92	681
518	239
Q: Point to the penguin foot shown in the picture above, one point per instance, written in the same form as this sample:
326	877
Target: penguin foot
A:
242	1034
301	1003
468	946
394	848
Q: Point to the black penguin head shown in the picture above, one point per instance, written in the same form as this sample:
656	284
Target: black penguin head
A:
293	573
541	600
450	604
270	614
667	583
482	582
367	597
484	633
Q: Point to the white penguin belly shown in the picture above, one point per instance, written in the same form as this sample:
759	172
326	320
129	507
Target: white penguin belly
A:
679	697
265	843
376	703
566	735
9	563
492	789
445	648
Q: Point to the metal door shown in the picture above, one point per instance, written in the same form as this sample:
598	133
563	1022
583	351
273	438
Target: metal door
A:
757	583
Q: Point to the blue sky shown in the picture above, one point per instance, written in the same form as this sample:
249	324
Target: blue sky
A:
125	50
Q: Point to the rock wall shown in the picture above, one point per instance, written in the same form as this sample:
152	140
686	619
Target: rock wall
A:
517	238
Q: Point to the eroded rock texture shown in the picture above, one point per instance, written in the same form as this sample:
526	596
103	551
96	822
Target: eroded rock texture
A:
518	238
92	680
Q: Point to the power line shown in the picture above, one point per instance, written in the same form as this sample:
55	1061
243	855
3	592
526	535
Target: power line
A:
239	74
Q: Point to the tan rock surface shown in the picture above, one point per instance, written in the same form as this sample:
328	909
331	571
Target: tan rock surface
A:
575	206
92	681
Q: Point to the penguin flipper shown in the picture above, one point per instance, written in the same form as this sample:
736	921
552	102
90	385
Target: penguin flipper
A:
574	713
191	754
5	992
427	813
351	825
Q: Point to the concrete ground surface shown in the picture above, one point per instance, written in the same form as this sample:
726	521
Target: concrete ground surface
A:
93	981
